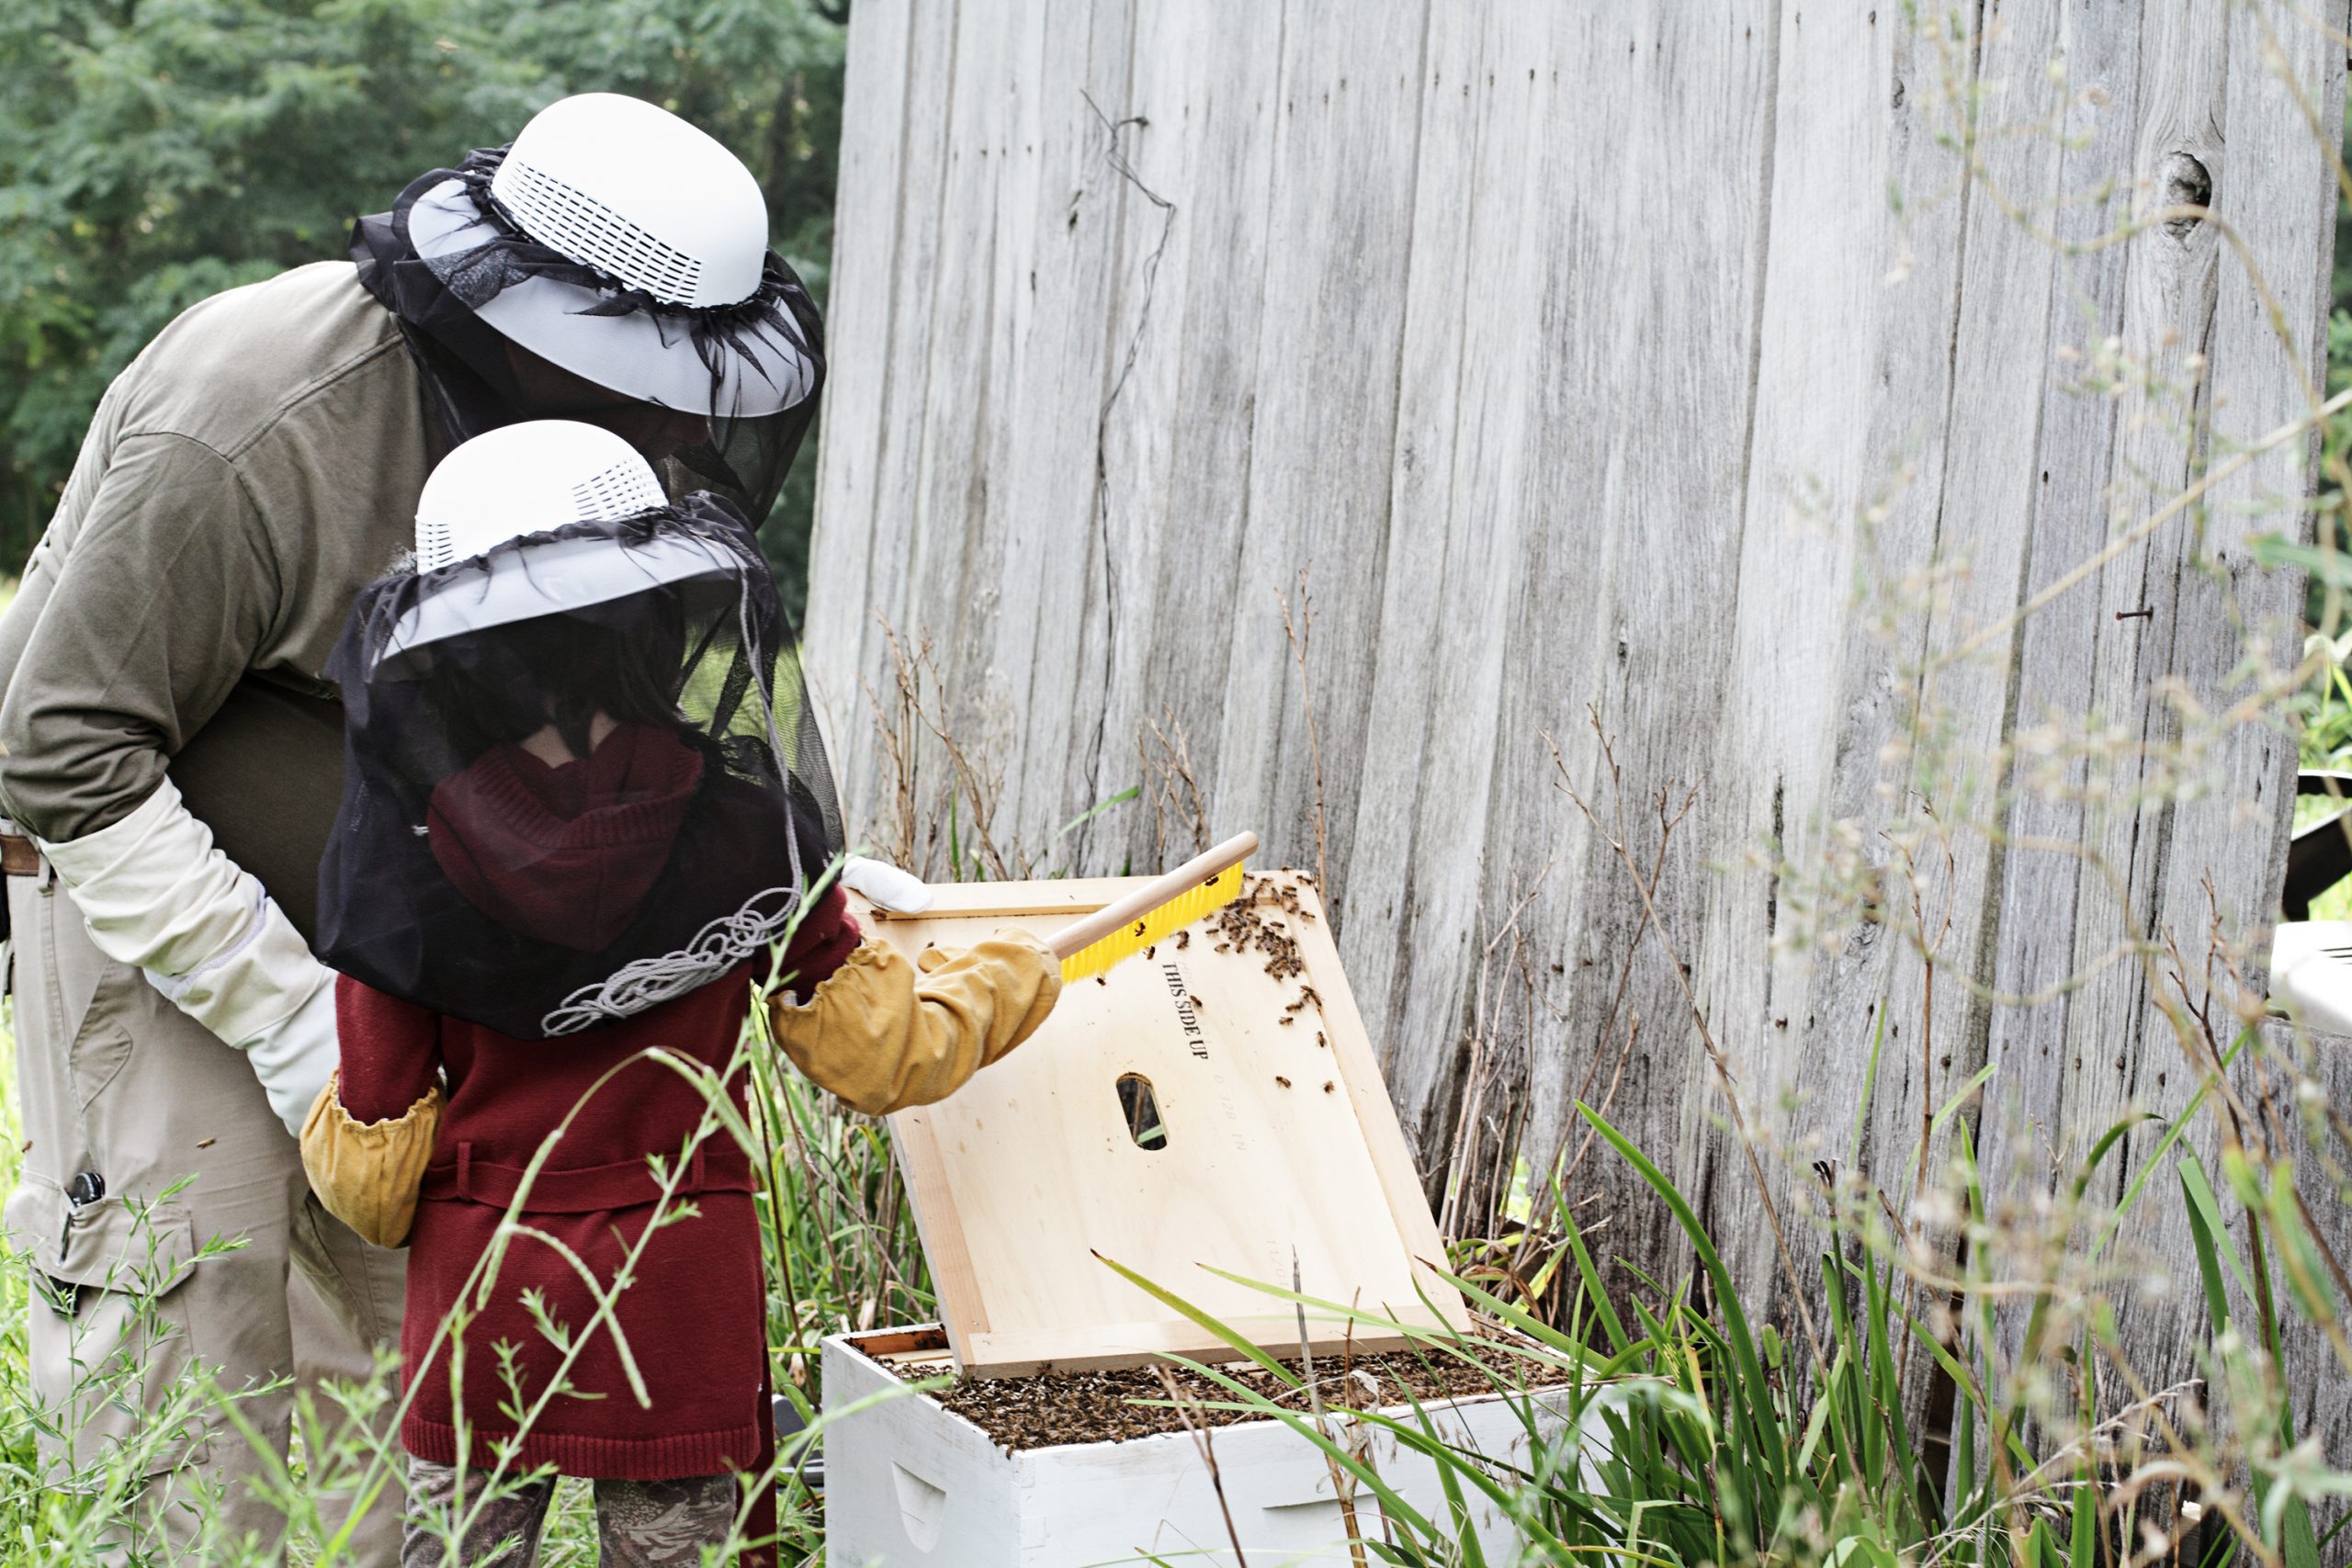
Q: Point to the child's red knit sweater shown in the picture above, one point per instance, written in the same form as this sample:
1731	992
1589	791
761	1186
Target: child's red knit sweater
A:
694	1315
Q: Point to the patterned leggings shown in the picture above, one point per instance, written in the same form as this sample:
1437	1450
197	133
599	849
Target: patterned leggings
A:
639	1524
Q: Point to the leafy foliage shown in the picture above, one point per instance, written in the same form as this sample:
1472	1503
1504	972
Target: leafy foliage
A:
155	151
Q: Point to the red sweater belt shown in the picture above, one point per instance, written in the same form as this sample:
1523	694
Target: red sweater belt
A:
583	1190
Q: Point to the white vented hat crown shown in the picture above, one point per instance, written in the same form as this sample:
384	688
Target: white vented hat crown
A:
527	478
635	191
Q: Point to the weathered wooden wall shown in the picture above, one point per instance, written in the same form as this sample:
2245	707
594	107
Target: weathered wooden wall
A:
1720	366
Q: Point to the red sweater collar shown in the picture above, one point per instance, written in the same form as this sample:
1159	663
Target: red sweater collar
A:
565	854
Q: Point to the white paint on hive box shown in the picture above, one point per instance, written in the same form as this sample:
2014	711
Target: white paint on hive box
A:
908	1484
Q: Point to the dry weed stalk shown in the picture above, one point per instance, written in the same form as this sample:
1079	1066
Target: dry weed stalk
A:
1167	761
1206	1447
965	801
1463	1155
1343	1486
1616	1004
896	737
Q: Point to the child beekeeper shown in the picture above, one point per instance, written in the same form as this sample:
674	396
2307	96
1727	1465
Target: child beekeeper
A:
584	799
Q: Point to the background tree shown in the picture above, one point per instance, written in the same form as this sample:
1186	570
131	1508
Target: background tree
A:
155	151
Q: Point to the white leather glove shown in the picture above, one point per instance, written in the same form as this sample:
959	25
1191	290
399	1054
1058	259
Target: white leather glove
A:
157	893
884	886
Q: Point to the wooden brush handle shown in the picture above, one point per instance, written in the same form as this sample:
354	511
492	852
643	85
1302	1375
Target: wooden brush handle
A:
1091	929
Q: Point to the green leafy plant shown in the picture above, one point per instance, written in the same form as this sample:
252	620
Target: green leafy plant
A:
154	152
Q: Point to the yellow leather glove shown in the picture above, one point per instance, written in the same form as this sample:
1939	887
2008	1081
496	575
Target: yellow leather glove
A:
884	1036
368	1173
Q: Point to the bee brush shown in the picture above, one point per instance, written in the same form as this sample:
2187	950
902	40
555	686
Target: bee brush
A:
1199	887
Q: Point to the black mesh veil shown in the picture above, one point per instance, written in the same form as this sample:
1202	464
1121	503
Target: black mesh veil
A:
471	379
581	775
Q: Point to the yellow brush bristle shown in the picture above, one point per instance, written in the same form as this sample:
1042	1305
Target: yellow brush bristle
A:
1164	921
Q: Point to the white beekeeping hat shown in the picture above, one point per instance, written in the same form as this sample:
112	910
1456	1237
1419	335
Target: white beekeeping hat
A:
664	232
618	243
528	478
539	482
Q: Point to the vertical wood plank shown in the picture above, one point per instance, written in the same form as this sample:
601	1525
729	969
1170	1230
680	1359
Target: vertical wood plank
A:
2268	353
1463	489
1844	494
857	564
866	222
1177	438
1628	575
2057	925
1044	644
947	542
1337	223
2068	1059
1945	753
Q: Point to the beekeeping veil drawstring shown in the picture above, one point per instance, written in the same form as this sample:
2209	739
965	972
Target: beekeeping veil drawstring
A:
581	775
625	246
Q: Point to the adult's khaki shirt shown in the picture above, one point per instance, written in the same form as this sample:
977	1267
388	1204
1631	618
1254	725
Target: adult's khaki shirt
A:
253	468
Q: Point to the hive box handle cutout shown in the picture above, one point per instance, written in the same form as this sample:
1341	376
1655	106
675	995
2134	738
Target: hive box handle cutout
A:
1140	1110
922	1506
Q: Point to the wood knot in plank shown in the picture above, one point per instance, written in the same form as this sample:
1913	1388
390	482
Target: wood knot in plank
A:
2183	180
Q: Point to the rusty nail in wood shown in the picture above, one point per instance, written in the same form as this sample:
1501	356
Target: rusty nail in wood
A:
2144	613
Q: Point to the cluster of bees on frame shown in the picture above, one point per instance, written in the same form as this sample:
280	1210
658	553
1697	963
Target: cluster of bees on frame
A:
1242	926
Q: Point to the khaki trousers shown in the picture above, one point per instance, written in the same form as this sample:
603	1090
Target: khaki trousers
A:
115	1081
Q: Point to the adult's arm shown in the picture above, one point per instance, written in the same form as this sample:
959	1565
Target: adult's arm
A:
155	605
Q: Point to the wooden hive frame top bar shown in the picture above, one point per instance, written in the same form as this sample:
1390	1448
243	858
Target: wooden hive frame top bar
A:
1280	1139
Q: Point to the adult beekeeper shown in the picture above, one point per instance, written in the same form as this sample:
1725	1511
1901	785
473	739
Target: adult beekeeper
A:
170	751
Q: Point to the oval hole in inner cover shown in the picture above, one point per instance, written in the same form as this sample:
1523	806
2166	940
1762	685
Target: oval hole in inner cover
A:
1140	1110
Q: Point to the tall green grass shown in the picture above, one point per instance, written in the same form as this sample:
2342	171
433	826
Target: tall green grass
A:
1665	1432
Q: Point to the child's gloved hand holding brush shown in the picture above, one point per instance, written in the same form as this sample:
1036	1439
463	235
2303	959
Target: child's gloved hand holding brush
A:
885	1035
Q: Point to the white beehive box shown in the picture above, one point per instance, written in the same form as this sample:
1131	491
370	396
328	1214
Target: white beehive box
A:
909	1482
1277	1156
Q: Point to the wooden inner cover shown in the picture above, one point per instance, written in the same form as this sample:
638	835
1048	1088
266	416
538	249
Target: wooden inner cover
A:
1280	1137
